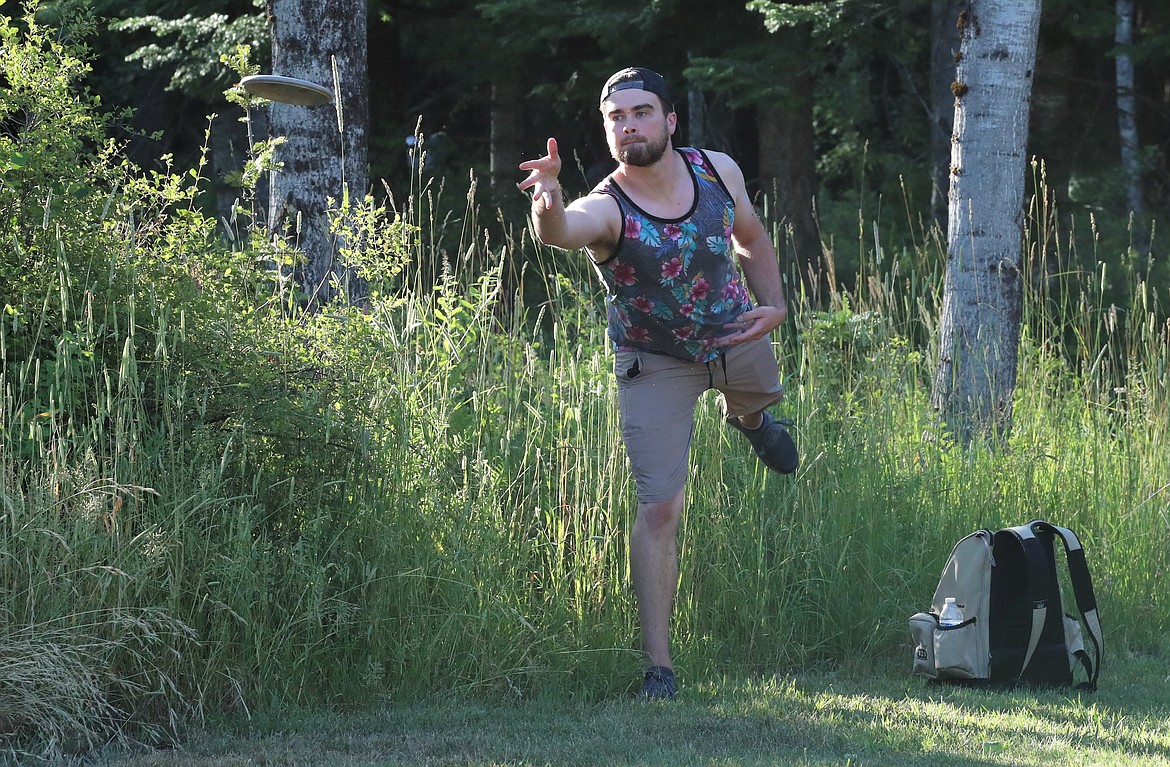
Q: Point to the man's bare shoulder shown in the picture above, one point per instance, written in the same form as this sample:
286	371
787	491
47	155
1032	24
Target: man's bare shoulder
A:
725	165
594	223
595	201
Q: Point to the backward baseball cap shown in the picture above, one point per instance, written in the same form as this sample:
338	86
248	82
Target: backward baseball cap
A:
642	79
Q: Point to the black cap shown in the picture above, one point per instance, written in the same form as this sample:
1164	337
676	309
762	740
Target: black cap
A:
642	79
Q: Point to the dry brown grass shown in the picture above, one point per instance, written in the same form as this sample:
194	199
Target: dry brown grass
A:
73	684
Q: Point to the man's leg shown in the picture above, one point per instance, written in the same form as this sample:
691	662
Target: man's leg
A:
657	397
750	385
769	439
654	570
753	420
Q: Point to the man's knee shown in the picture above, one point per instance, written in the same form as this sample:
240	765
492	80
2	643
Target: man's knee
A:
661	516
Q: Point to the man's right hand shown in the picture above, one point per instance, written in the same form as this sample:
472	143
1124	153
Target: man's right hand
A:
592	222
542	175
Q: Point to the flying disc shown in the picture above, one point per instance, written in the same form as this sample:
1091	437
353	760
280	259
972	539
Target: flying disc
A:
287	90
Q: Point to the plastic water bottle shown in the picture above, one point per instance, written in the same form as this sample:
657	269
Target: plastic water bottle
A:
951	614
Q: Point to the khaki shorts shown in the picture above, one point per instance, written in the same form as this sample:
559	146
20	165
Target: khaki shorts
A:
657	397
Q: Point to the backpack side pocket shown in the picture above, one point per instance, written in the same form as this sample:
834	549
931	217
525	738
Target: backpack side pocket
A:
957	652
922	629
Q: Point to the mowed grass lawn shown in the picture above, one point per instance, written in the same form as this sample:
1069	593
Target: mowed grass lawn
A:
878	716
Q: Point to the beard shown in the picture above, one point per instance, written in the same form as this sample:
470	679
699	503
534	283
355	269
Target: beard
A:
644	153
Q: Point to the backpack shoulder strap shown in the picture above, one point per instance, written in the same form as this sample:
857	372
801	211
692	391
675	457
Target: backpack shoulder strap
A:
1082	583
1040	586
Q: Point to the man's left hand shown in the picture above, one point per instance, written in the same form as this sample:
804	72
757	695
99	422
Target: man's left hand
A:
755	323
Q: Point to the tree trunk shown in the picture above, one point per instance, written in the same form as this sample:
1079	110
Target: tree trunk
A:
787	169
944	49
697	119
1127	124
788	166
228	153
507	131
979	329
325	152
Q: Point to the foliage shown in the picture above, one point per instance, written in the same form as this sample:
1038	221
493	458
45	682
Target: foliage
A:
195	45
823	16
53	152
135	354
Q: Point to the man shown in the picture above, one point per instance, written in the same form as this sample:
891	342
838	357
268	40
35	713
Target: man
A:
661	230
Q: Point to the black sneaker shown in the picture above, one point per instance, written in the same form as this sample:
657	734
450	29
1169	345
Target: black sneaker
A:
658	684
771	442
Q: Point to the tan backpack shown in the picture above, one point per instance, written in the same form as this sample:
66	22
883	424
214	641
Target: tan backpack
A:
1014	629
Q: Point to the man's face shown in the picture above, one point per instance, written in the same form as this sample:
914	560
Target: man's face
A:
638	131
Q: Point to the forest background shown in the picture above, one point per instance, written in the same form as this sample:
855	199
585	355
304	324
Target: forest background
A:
215	502
846	108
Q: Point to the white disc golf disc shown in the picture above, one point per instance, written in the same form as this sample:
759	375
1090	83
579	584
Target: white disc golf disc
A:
287	90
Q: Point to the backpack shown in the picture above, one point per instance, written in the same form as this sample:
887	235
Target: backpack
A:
1014	628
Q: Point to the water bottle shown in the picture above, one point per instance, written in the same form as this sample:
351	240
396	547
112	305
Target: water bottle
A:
951	615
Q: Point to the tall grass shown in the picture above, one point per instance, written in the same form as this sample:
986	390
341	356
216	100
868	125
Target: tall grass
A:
214	502
451	508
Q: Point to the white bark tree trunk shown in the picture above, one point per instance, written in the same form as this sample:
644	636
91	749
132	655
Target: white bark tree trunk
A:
325	153
1131	161
979	329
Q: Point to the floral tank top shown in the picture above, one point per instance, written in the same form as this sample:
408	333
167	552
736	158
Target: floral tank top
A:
673	285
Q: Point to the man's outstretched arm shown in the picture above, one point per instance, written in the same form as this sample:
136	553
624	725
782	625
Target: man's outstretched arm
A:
585	223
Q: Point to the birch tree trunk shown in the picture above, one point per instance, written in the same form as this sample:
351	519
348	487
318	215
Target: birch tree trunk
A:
325	152
979	329
1127	124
